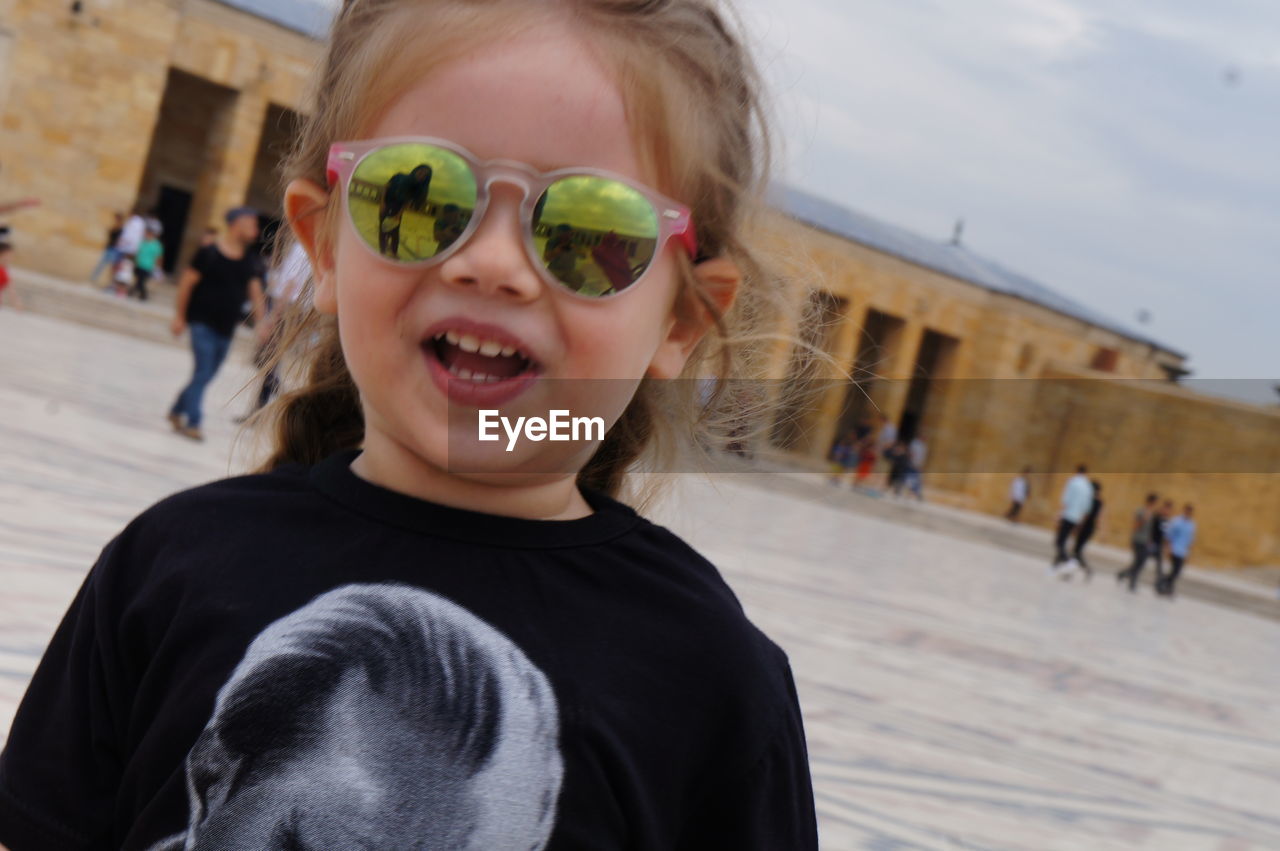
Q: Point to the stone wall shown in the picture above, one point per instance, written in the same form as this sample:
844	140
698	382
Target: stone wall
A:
84	94
1138	437
82	100
1018	389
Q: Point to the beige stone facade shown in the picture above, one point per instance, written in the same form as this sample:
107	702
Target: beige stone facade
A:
997	383
190	104
84	94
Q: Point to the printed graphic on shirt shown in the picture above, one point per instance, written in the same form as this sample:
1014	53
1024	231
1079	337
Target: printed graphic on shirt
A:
378	717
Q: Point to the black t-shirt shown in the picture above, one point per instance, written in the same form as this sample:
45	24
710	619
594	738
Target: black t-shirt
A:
304	660
222	289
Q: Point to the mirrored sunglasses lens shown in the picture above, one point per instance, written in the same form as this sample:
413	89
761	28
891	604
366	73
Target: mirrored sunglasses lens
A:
411	201
596	236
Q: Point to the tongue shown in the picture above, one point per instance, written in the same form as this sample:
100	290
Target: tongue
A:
502	367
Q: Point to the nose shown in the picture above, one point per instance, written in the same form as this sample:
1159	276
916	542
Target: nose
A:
494	261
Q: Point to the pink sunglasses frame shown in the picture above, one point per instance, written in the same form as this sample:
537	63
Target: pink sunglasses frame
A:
674	219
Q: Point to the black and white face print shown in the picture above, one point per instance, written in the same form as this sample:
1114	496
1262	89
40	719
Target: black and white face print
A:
377	717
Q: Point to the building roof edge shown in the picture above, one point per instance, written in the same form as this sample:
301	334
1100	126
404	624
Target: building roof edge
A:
954	261
308	17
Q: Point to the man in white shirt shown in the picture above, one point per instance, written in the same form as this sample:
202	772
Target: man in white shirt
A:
1077	499
131	236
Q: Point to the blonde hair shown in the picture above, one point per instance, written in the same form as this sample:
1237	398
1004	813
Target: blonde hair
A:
694	106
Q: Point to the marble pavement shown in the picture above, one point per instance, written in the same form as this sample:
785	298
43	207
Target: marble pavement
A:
954	697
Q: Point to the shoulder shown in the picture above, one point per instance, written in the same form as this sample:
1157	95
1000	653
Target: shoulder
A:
238	494
204	255
740	662
221	511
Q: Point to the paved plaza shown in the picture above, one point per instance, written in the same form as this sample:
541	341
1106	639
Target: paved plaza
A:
954	697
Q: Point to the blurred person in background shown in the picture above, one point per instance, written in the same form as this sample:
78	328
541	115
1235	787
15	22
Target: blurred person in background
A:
1181	534
899	466
6	291
918	452
1140	540
285	284
209	299
864	450
131	237
1077	499
844	456
1159	527
149	256
1084	532
109	254
1019	491
6	247
886	437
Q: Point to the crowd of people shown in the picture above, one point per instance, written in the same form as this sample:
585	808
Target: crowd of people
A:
1157	534
874	447
225	282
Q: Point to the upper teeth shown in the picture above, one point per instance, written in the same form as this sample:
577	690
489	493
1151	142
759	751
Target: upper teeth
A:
487	348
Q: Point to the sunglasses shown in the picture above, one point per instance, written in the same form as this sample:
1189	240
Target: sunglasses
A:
416	201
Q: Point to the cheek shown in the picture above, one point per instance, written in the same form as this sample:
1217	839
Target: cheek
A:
372	304
617	339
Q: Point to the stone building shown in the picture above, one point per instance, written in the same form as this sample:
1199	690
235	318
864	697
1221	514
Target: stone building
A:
180	105
187	106
1000	372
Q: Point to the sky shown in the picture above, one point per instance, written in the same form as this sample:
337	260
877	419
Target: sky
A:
1124	154
1127	155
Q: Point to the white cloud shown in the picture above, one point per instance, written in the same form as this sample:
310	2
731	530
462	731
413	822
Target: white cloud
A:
1096	148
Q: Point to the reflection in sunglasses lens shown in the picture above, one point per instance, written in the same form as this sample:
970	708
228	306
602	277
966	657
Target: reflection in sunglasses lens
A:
411	201
596	236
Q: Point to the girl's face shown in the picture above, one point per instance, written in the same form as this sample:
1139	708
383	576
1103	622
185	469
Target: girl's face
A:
543	100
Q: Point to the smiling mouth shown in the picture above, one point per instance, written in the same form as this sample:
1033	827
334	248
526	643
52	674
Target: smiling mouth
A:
475	359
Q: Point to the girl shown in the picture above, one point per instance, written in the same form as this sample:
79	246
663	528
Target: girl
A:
400	635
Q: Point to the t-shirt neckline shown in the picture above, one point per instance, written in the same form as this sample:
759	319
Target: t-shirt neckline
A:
335	478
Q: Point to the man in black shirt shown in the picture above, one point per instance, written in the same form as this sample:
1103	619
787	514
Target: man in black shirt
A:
210	296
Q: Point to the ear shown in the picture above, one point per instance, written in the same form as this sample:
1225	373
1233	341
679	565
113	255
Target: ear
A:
304	203
691	317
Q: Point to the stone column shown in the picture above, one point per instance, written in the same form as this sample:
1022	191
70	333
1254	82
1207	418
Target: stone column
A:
844	348
903	350
224	181
239	152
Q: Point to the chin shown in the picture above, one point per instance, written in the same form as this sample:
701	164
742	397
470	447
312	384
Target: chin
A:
527	463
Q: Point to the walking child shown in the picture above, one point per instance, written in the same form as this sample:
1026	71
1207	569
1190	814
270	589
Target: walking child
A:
1181	535
397	635
150	255
110	254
